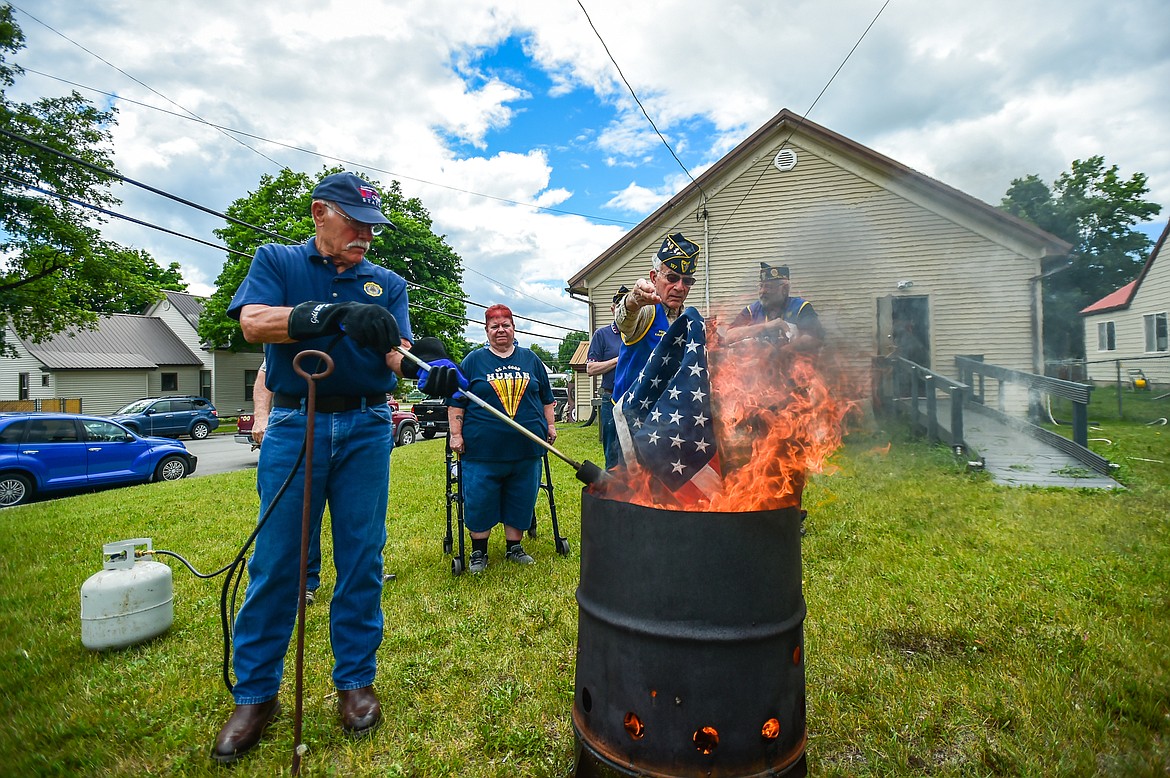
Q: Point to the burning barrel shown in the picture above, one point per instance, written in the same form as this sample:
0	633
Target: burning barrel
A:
689	643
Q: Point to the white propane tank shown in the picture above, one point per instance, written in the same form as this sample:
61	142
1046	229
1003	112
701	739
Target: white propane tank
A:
127	602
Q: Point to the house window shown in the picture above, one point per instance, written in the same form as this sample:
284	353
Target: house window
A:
23	386
1106	336
249	384
170	382
44	379
205	384
1156	332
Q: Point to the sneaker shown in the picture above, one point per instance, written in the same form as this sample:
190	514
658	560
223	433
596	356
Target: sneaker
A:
479	561
310	596
518	555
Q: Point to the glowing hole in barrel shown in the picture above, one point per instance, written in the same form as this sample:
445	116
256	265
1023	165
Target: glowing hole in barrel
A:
634	726
796	655
771	729
706	740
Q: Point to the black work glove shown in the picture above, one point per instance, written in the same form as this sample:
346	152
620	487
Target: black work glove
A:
315	319
368	325
426	349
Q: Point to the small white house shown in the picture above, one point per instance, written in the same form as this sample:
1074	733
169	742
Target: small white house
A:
1127	331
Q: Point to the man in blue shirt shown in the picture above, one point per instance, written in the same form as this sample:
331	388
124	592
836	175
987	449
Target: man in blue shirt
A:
646	313
322	295
602	359
777	316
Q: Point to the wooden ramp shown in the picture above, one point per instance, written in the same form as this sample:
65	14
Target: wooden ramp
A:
1016	458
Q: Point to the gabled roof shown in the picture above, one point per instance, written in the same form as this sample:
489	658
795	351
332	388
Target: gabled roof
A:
1120	300
580	356
787	121
187	304
120	341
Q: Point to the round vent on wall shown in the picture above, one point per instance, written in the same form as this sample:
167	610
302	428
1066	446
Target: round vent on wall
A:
785	160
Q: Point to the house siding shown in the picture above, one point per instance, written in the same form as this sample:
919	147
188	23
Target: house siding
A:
229	380
183	329
103	392
849	236
1152	296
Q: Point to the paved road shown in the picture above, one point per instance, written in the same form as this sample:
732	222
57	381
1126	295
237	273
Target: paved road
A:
221	454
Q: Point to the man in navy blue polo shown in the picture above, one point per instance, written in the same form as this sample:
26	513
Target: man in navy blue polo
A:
604	347
323	295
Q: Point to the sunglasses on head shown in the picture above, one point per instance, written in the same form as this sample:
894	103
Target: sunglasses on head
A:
674	278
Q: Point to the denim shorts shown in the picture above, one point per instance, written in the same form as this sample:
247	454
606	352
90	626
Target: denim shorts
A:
499	492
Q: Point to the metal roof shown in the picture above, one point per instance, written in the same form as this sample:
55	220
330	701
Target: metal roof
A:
187	304
121	341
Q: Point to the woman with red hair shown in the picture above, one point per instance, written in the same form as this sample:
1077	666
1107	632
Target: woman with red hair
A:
501	467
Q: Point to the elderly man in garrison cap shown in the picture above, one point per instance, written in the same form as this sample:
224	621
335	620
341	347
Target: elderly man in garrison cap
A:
646	312
604	348
777	316
325	295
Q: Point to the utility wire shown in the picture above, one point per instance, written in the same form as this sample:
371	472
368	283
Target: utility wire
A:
114	174
278	236
117	215
341	160
635	96
419	306
140	83
799	124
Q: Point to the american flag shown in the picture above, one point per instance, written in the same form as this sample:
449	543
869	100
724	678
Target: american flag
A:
664	420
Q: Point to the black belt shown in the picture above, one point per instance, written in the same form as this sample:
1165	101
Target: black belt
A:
335	403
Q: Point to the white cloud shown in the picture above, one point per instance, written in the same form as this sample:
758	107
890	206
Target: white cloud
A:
975	95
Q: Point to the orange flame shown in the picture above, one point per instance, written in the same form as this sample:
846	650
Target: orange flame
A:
779	414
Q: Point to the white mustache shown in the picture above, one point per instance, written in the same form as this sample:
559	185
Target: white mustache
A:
358	244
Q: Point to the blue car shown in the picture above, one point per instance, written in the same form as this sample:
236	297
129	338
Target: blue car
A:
170	416
44	453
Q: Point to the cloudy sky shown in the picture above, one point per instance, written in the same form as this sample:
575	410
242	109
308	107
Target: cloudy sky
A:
512	125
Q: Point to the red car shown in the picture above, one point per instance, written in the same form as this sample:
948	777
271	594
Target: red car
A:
405	426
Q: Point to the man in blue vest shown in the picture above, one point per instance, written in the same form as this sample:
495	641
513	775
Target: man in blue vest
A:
604	348
777	316
647	312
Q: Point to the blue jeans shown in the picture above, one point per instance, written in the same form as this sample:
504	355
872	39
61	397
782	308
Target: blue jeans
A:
609	438
351	471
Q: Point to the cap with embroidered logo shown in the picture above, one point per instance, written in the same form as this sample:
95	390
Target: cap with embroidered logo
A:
770	273
678	254
622	291
356	197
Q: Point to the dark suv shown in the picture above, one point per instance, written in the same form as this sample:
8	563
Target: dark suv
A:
170	416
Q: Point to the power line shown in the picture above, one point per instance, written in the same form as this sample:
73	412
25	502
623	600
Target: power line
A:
330	157
635	96
140	83
793	131
113	174
150	225
115	214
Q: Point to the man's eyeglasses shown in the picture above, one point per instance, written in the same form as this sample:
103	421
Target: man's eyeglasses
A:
375	229
674	278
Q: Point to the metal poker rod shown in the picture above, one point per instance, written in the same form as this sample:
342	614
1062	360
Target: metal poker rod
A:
587	472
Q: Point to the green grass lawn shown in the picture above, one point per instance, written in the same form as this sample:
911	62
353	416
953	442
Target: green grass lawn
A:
955	628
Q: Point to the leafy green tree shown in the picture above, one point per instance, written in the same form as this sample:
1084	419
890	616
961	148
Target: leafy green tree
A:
281	205
1092	207
544	355
56	271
